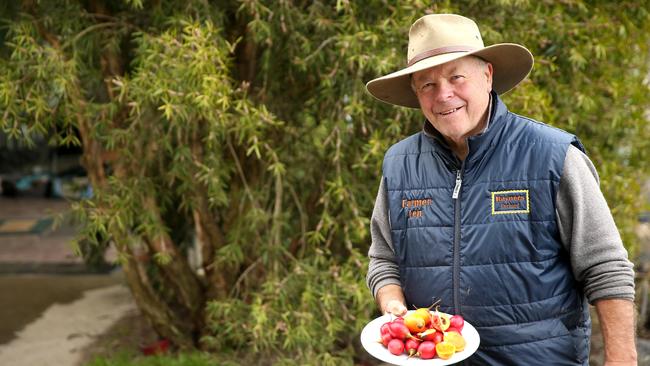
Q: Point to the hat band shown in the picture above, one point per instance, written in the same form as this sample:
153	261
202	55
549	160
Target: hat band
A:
439	51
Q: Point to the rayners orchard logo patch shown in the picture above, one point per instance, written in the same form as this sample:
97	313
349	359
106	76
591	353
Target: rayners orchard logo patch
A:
510	202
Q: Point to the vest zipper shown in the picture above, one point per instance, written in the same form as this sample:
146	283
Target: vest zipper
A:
456	266
459	182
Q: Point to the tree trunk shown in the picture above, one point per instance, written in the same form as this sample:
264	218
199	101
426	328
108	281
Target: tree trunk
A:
162	318
178	272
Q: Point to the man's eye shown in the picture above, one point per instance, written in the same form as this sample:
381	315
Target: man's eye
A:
457	77
426	86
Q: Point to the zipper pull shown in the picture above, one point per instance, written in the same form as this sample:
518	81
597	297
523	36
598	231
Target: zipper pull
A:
459	181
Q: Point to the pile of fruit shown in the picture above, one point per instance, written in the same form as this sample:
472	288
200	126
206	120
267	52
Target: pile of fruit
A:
424	334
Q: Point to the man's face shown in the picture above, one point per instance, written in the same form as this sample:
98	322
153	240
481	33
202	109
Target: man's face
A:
454	96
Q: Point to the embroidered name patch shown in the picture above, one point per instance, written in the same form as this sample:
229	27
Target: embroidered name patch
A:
510	202
414	206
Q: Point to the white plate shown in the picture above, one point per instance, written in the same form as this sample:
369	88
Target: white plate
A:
370	335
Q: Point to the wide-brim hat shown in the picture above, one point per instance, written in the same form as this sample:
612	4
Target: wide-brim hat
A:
440	38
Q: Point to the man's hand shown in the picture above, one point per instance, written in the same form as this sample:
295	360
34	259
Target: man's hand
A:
395	307
617	323
390	299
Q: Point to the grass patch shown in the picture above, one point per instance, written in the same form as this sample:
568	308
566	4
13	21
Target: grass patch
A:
181	359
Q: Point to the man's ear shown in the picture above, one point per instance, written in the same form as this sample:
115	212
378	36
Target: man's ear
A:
489	71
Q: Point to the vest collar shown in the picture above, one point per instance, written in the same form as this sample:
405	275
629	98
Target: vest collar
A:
480	144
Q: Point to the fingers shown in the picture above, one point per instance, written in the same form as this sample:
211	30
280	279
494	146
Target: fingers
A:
395	307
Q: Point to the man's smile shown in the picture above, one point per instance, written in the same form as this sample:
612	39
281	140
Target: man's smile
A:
450	111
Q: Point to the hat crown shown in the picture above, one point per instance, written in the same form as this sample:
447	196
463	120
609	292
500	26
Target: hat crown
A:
437	39
439	31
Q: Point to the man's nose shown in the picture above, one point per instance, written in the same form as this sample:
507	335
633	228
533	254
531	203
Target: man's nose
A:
443	92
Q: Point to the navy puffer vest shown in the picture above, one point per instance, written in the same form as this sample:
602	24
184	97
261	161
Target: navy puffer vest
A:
482	237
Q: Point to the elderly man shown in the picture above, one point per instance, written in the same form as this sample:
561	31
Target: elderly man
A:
498	216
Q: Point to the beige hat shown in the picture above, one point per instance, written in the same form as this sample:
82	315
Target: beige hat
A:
440	38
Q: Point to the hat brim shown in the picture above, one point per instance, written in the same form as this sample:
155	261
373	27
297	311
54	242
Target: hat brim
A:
511	63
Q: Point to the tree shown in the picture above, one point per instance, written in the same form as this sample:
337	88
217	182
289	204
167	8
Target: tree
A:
234	154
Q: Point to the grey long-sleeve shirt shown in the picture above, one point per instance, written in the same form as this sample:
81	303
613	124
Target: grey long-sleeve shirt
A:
587	230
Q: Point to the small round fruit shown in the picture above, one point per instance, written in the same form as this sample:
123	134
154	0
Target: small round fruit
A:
457	322
437	338
426	350
415	323
399	330
424	314
412	346
396	347
440	321
456	339
445	350
428	335
384	328
385	338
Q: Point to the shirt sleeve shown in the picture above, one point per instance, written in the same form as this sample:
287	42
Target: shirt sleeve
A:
588	232
382	268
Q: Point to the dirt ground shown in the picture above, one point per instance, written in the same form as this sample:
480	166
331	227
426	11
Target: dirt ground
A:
127	335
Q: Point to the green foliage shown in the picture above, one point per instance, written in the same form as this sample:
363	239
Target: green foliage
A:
297	319
245	126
